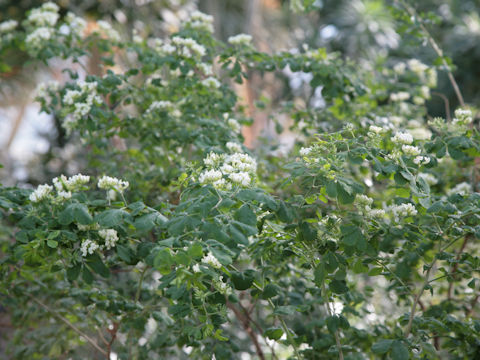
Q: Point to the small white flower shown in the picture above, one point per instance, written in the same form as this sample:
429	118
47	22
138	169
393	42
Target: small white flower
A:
417	66
108	183
8	26
402	138
376	213
461	189
411	150
399	68
64	195
211	83
234	125
40	193
108	31
196	268
305	151
241	178
209	176
88	247
421	160
201	21
110	236
211	260
234	147
363	200
463	116
240	39
37	39
376	129
400	96
403	210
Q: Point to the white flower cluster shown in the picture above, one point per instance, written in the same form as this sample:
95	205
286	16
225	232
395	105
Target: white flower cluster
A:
40	193
411	150
240	40
305	151
232	123
201	21
214	177
364	204
185	47
400	96
37	39
211	260
88	91
421	160
109	183
76	24
196	268
423	71
462	117
110	236
403	210
88	247
46	15
211	83
160	105
44	89
428	178
227	170
222	287
375	130
402	138
108	31
42	20
234	147
65	186
8	26
461	189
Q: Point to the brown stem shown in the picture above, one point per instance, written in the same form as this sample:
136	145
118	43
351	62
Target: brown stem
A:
244	320
455	267
113	333
417	299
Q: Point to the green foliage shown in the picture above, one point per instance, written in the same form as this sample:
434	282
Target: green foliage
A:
363	245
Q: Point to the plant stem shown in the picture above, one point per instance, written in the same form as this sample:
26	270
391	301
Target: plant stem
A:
417	299
139	288
437	50
69	324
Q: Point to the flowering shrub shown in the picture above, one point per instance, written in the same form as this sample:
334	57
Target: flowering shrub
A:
361	243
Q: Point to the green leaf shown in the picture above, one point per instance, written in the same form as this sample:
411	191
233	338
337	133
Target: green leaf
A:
345	194
284	310
245	215
338	286
242	280
195	250
382	347
333	323
112	217
124	253
52	243
221	256
73	272
97	265
269	291
273	333
87	275
399	351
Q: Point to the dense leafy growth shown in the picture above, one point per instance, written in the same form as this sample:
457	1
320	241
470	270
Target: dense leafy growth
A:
361	243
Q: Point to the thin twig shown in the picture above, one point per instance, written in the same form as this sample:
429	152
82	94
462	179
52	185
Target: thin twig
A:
438	50
246	325
455	266
417	299
73	327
